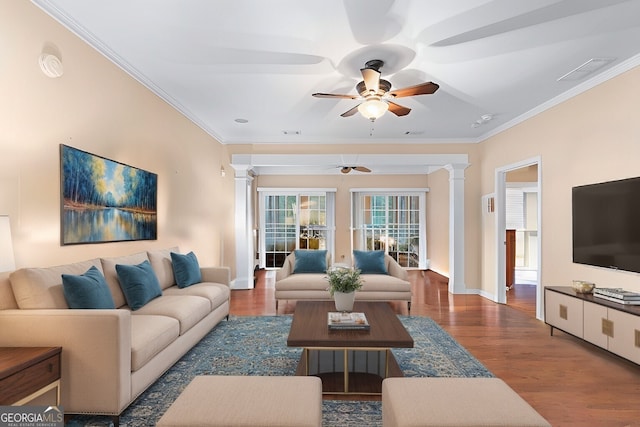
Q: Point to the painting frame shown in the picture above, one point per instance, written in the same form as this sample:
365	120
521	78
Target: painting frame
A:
103	200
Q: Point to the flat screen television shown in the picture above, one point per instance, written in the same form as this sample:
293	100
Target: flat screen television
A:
606	224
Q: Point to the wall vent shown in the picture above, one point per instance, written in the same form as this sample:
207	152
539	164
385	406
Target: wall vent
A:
589	67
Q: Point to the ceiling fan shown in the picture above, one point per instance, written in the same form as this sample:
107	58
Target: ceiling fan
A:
347	169
375	93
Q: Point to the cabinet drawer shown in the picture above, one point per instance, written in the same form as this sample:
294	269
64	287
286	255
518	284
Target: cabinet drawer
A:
29	380
564	312
626	335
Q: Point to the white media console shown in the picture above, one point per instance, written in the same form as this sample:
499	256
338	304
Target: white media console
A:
612	326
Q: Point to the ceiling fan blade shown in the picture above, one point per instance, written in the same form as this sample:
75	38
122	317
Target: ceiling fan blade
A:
345	169
422	89
350	112
362	169
398	110
334	95
371	79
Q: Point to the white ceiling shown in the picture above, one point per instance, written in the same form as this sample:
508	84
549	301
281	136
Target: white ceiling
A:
218	61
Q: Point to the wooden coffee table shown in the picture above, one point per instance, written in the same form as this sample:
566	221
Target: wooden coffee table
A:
348	361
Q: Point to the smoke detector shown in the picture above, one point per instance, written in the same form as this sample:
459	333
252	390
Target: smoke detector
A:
485	118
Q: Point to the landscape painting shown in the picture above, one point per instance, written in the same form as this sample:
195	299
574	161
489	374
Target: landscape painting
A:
105	201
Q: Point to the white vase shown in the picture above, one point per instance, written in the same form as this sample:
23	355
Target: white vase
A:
344	301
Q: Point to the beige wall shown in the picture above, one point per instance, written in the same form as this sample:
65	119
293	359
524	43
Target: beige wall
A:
590	138
438	222
524	174
97	107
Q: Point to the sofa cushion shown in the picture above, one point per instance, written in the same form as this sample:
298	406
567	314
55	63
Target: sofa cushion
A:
186	269
149	336
139	284
88	290
187	309
36	288
111	275
160	260
216	293
383	283
7	300
309	282
310	261
370	262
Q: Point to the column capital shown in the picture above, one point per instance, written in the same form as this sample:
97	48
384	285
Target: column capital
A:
243	172
456	170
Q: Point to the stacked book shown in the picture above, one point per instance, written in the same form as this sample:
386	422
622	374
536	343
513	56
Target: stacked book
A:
618	295
345	321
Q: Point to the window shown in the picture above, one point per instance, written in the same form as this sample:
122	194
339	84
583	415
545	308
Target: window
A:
394	223
279	229
294	219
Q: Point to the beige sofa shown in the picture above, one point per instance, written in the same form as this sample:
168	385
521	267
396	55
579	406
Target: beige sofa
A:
110	356
393	286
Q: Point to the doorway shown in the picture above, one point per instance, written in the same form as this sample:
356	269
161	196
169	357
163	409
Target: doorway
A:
518	198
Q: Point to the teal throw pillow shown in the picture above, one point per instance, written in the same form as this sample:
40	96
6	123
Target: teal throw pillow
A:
139	284
310	261
88	290
370	262
186	269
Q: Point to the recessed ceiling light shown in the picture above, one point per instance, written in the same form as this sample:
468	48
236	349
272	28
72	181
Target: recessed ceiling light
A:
241	121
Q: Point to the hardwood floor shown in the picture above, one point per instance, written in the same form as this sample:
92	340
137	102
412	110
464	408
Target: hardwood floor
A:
568	381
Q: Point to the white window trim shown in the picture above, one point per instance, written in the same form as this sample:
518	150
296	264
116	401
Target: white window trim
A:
420	192
288	191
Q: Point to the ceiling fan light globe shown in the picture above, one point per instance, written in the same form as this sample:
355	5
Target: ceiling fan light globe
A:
373	108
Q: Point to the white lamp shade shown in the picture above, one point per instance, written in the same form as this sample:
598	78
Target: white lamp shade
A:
373	108
7	262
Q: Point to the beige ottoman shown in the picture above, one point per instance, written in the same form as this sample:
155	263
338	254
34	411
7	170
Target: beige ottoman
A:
454	402
247	401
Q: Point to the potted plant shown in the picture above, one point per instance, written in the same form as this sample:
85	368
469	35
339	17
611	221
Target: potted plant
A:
343	283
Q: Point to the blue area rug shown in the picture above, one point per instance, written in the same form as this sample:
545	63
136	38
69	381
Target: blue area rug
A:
257	346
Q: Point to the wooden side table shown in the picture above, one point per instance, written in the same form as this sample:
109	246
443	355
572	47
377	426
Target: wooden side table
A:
28	372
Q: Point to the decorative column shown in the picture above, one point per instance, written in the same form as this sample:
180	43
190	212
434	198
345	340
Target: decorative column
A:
243	229
456	228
